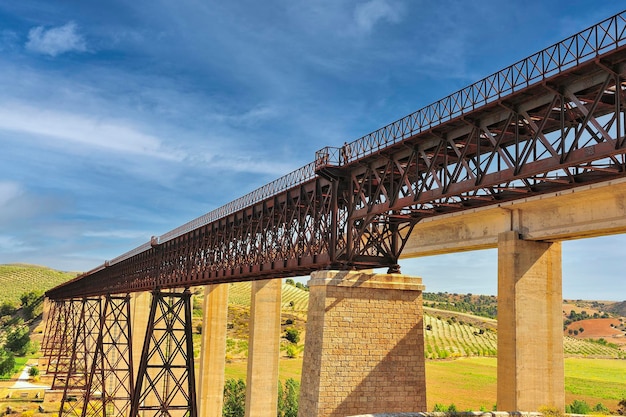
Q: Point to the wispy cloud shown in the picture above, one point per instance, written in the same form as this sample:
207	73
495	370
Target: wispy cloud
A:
84	130
368	14
56	40
8	40
8	191
9	244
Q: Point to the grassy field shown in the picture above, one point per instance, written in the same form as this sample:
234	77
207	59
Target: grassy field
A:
470	383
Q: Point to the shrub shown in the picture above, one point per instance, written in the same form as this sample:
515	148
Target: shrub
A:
578	407
601	409
33	371
293	335
549	411
292	351
440	408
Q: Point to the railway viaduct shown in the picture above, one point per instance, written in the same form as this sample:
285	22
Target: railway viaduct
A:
519	161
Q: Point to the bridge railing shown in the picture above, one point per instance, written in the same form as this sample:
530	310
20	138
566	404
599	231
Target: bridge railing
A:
583	46
293	179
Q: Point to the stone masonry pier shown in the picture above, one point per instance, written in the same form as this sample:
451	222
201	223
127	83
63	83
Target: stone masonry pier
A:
364	346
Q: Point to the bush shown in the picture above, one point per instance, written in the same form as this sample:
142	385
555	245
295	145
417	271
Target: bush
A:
33	371
293	335
578	407
440	408
292	351
548	411
601	409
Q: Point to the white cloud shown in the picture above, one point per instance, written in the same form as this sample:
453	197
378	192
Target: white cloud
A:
110	135
8	191
55	41
368	14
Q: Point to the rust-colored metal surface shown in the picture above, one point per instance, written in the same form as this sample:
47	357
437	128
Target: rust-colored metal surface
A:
552	121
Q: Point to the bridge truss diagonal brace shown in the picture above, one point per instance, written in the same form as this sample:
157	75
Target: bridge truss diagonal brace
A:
165	381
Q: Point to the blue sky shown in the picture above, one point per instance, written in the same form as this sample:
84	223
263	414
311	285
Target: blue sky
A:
121	120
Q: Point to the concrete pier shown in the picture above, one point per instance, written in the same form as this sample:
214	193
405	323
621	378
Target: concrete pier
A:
530	320
364	349
212	356
263	349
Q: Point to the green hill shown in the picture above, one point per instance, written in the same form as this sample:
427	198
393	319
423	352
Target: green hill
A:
17	279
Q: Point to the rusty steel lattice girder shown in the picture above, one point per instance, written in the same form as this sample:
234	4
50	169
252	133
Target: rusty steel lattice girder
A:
62	339
550	121
110	382
82	354
556	135
166	381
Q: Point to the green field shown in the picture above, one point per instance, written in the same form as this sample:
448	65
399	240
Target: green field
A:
470	383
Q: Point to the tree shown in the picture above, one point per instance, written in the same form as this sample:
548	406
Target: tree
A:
290	402
31	304
7	362
7	308
290	281
234	398
18	341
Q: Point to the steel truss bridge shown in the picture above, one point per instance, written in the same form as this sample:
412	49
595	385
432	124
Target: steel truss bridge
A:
552	121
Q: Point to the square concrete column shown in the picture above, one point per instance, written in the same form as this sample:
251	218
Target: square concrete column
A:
140	312
364	350
263	349
530	325
213	353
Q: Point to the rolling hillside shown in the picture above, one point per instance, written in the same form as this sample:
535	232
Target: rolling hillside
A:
17	279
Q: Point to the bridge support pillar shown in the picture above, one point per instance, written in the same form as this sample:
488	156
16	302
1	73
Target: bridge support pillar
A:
364	350
212	356
263	349
140	313
530	325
